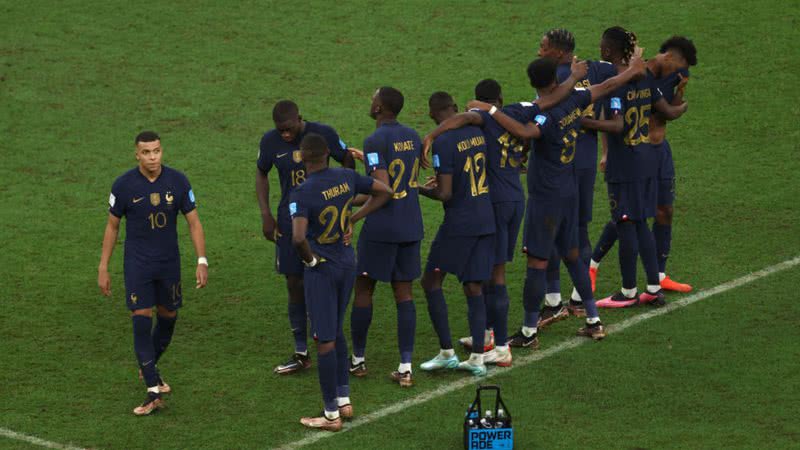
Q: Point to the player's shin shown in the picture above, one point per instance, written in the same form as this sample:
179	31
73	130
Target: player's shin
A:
143	346
607	239
342	368
500	302
406	329
437	311
476	314
647	250
628	251
327	369
532	294
584	245
553	290
162	334
360	320
580	278
663	237
298	321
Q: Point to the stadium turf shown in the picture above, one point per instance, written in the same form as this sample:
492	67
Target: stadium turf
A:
79	80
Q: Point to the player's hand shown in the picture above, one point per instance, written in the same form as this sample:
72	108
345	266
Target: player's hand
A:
636	62
430	183
347	239
477	104
356	153
683	106
104	282
201	274
426	150
579	68
682	83
270	228
603	162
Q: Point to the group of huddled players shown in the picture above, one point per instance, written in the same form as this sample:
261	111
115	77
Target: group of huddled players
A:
477	156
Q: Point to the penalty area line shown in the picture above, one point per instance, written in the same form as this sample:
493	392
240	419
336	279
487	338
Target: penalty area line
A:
433	394
5	432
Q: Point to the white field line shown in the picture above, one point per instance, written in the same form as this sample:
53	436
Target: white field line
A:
315	436
5	432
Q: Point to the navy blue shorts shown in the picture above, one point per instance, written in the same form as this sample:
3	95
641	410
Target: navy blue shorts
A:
470	258
155	284
551	223
507	220
635	200
327	290
388	261
586	179
666	175
287	261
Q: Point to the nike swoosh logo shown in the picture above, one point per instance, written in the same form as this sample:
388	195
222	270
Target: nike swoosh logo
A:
281	155
137	200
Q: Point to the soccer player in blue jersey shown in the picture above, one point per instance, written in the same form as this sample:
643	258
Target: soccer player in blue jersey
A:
279	149
631	173
552	198
670	67
559	44
388	246
150	197
321	217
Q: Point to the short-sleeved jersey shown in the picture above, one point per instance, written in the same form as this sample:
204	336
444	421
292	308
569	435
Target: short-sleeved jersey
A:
630	155
324	199
285	157
586	148
151	210
462	154
504	155
551	172
395	148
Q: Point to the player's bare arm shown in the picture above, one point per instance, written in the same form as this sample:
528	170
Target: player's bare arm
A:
670	112
451	123
441	189
635	68
528	130
578	71
268	224
109	240
199	242
613	125
299	229
380	194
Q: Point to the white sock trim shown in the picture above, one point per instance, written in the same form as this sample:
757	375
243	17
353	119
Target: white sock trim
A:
552	299
528	331
357	359
653	288
404	367
630	293
341	401
594	264
502	349
449	353
592	320
661	276
332	415
153	389
575	296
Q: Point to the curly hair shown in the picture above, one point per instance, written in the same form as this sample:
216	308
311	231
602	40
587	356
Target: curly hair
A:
682	45
621	40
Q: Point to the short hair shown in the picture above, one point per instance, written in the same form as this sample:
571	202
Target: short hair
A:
621	40
561	39
488	90
314	145
542	72
284	110
682	45
440	100
146	136
391	99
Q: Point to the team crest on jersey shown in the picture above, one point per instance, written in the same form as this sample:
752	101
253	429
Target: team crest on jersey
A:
540	119
372	159
297	157
134	298
616	103
169	197
436	162
155	198
292	208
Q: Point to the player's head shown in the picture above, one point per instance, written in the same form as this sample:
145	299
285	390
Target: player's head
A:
676	53
288	120
441	106
148	150
617	45
314	149
386	102
542	73
557	44
489	91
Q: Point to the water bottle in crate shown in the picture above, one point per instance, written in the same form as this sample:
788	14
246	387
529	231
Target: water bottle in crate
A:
493	430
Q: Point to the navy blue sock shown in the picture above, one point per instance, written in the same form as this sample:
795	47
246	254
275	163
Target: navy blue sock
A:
663	236
554	274
628	253
584	245
580	278
143	346
162	334
437	310
476	315
298	320
406	328
532	295
647	250
342	366
607	239
500	303
488	302
360	319
326	367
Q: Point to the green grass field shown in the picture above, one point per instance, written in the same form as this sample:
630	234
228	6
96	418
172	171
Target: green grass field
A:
79	79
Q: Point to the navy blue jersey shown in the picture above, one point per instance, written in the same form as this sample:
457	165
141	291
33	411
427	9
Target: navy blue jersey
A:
668	83
462	154
395	148
630	155
552	169
151	210
285	156
586	148
504	155
324	199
